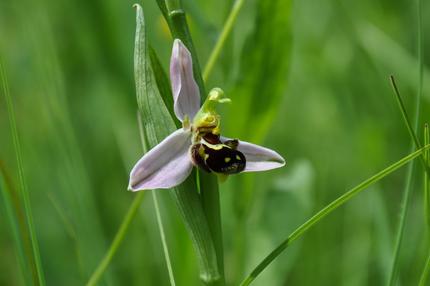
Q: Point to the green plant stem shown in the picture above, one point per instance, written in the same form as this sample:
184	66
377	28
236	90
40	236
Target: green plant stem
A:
23	186
176	20
163	238
119	236
211	205
426	181
298	232
226	30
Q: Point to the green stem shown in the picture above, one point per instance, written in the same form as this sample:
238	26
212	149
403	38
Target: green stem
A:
226	30
426	182
131	213
211	206
163	239
23	186
176	19
326	211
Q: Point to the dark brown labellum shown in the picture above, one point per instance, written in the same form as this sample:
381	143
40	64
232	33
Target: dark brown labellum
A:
219	157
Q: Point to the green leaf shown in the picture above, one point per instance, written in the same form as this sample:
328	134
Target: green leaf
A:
157	124
163	84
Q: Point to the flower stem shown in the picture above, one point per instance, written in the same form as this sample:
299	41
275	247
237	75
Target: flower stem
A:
131	213
226	30
298	232
175	17
211	206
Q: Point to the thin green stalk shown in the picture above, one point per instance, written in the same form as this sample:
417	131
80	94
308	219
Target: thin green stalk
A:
425	273
426	181
408	190
298	232
426	269
157	209
163	239
211	205
407	122
119	236
226	30
402	223
17	237
176	19
23	186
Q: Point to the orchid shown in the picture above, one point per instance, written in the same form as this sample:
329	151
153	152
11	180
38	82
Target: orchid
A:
198	143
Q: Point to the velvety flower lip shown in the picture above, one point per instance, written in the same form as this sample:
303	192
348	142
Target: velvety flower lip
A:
258	158
169	163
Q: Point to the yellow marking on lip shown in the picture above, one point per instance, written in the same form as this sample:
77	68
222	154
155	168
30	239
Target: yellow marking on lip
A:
227	159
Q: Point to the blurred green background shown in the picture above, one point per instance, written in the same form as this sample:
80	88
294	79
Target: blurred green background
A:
308	79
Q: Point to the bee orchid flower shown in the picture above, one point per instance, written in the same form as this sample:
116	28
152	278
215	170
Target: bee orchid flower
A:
198	143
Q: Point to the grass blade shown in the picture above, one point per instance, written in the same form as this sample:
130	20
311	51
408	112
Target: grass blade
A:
426	270
145	148
163	238
298	232
426	181
415	141
14	223
119	236
226	30
23	187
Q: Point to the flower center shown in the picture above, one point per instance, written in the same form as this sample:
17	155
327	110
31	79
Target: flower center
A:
207	150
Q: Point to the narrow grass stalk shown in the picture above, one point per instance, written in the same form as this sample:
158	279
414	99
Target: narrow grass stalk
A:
226	30
23	187
14	225
119	236
407	122
163	239
425	273
402	223
426	182
298	232
408	191
157	209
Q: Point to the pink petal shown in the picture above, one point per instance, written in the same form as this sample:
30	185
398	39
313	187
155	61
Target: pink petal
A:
258	158
185	90
165	166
